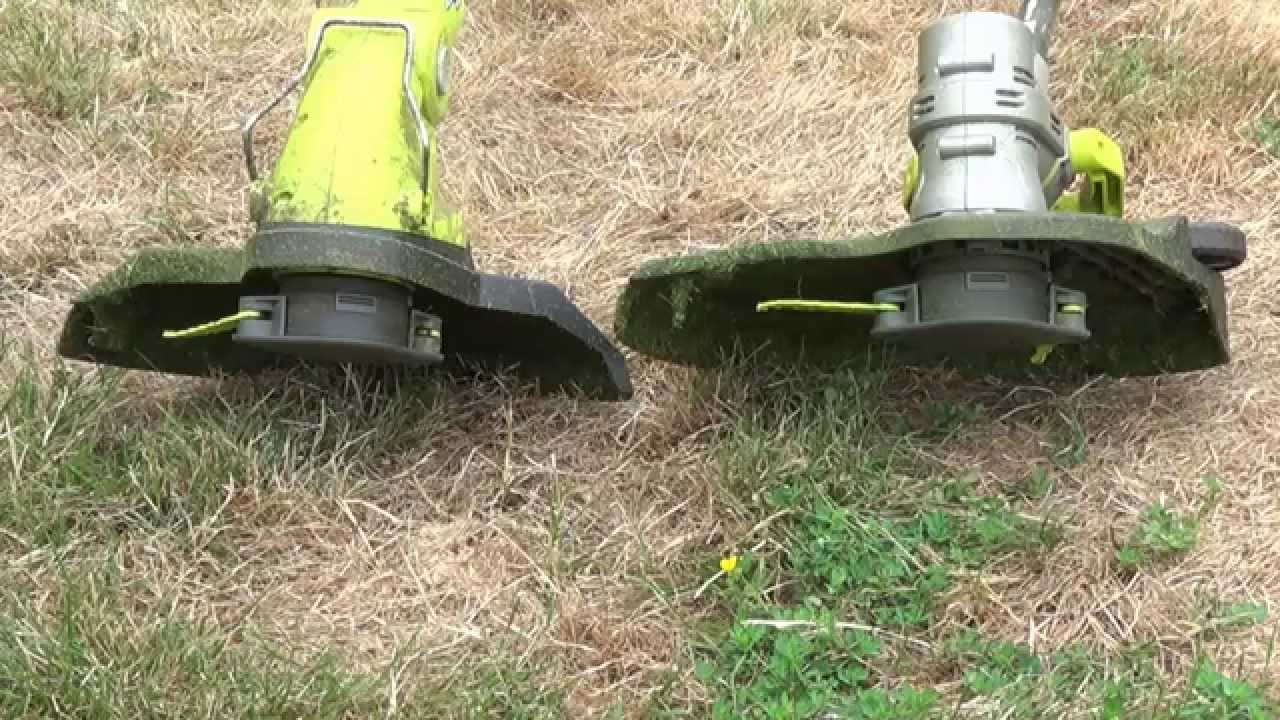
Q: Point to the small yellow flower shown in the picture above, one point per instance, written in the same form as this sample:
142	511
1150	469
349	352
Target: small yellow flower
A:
729	563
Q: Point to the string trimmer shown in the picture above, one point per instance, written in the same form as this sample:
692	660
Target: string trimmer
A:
1017	244
355	259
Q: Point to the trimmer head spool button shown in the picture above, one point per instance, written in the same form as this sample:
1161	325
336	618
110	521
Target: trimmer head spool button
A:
344	320
981	296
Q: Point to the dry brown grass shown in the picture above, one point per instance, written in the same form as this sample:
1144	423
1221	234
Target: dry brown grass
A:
588	137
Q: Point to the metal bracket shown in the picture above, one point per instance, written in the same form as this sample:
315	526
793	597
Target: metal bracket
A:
424	138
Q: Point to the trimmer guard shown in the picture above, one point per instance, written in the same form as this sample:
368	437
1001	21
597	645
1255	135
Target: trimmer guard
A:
1153	307
490	322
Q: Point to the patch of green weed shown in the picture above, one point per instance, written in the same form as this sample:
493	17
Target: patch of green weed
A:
1024	685
1212	695
1241	614
1162	534
1148	86
890	570
867	530
1219	617
1213	492
1037	485
817	668
1008	674
870	536
949	417
873	564
1269	135
1128	70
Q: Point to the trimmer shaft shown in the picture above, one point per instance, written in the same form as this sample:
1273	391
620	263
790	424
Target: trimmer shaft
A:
341	319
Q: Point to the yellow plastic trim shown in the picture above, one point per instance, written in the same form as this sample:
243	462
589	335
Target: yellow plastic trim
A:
1071	309
352	155
911	182
1101	161
221	325
1068	203
827	306
1042	354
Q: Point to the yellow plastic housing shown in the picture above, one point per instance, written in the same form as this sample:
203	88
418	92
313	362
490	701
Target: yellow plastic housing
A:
353	154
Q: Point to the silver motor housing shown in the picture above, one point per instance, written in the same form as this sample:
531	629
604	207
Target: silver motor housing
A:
982	123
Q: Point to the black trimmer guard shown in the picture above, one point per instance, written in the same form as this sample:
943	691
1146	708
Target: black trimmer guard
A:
490	322
1156	300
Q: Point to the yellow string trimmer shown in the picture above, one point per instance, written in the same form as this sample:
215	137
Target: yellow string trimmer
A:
355	258
1017	244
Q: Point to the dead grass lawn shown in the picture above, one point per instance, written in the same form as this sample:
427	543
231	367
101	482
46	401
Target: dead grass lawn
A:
588	137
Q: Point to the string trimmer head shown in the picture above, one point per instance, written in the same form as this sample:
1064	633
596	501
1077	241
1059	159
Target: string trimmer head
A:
1001	263
355	259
